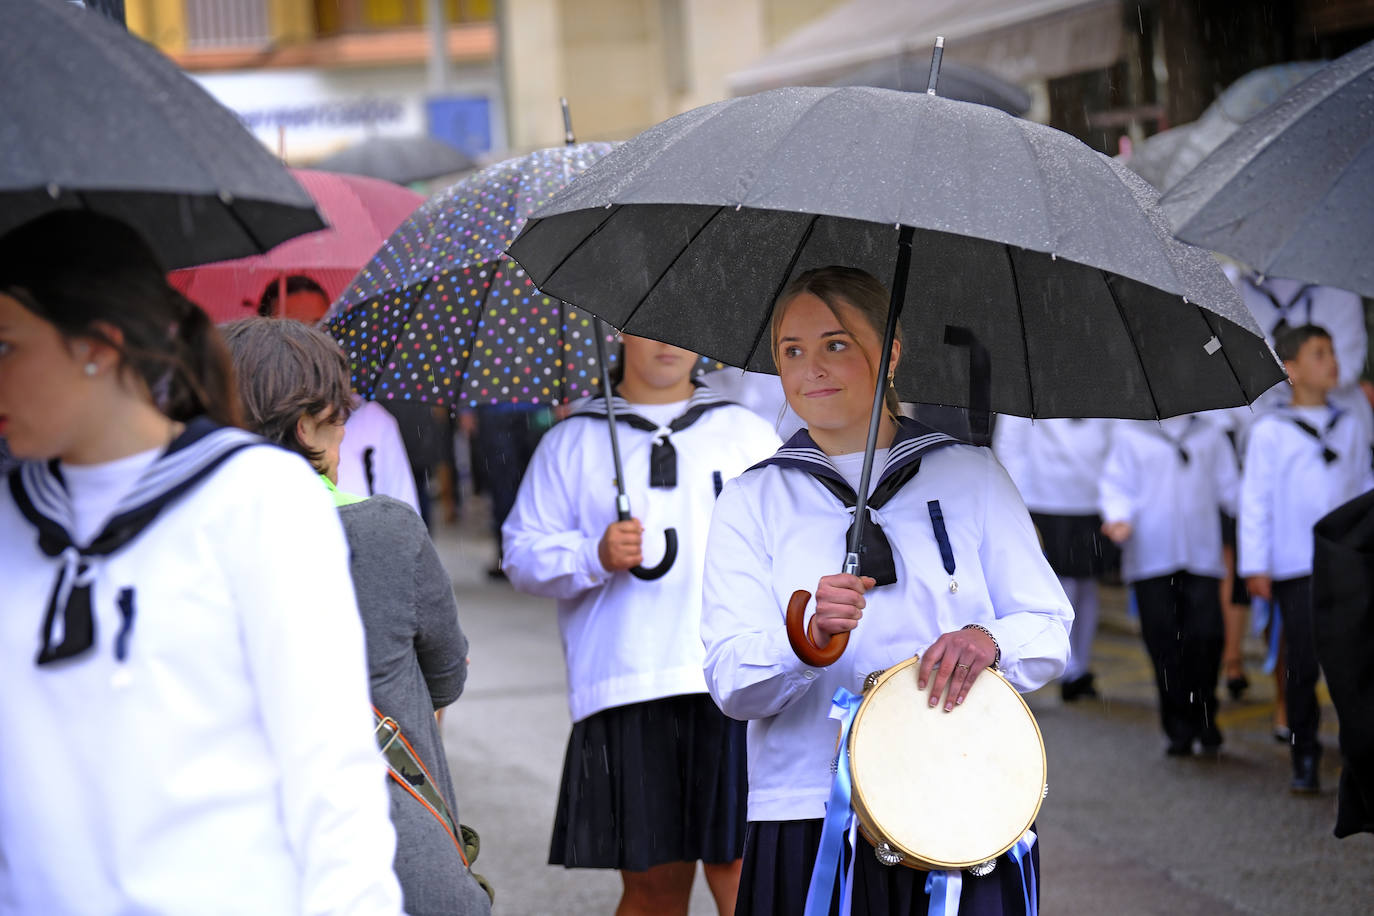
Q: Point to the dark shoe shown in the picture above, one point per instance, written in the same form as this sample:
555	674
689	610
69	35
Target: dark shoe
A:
496	572
1211	740
1081	686
1305	774
1179	748
1236	686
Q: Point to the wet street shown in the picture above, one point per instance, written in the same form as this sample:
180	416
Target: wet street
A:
1124	830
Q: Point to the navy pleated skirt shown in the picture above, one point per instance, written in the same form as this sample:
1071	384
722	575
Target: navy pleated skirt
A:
779	856
1075	546
650	783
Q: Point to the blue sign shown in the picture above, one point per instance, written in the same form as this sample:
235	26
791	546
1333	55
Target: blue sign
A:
463	122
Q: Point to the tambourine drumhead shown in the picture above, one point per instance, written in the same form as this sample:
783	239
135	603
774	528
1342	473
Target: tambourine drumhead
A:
947	790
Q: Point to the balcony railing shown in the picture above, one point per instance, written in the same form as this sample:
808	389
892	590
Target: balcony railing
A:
226	24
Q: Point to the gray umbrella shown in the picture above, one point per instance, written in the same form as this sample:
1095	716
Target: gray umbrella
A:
92	117
399	159
1034	275
1028	245
1169	155
1291	193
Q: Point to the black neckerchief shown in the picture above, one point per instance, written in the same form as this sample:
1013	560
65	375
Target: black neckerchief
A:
1183	455
913	440
41	495
662	457
1304	295
1329	454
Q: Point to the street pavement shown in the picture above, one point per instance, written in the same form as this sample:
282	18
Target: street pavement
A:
1124	829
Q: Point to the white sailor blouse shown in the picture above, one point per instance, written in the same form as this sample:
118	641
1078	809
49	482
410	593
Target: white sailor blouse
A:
963	550
185	715
1300	463
1170	480
1056	463
627	640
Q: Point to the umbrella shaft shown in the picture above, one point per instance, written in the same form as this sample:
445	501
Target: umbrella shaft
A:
875	419
622	502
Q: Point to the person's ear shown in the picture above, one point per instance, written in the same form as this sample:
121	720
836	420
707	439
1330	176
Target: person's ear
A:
896	357
99	354
306	427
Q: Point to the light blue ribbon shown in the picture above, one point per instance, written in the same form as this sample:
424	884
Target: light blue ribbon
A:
838	813
1267	612
945	888
1020	854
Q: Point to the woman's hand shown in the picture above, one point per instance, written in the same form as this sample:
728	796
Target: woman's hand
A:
839	606
957	658
622	546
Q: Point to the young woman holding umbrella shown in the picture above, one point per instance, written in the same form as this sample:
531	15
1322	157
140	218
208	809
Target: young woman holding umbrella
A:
967	592
185	716
653	779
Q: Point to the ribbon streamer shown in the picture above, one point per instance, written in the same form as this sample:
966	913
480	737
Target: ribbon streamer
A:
945	888
839	815
1020	854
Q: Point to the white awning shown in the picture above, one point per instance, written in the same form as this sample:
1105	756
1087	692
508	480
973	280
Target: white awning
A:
1018	40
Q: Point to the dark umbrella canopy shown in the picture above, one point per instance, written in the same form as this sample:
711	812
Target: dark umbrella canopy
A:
910	72
1291	192
1343	605
1028	245
93	117
399	159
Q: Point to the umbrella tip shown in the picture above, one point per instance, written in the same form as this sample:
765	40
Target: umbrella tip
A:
935	56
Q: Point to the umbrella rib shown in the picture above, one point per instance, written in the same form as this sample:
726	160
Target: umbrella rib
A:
580	242
1021	316
1135	347
1202	313
493	268
671	264
791	266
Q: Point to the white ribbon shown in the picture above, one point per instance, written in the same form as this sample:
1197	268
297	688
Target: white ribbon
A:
69	579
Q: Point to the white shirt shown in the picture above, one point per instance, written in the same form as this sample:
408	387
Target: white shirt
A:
761	392
776	530
371	426
96	489
1055	463
235	770
1173	507
625	640
1287	487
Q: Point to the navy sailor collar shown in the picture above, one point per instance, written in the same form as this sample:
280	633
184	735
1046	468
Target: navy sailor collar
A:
913	440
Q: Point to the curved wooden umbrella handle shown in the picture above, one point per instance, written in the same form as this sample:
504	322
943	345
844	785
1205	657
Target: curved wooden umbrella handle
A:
669	556
801	642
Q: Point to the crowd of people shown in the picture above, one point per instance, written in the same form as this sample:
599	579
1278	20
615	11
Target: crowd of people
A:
228	629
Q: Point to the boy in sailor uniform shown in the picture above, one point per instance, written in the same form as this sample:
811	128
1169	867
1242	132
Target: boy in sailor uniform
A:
1163	488
654	776
1301	461
1056	464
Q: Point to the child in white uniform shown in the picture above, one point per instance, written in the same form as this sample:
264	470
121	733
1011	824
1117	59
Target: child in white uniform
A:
1301	461
1056	464
1163	489
971	591
654	776
197	713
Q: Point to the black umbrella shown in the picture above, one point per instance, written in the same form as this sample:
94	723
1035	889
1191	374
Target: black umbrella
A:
1343	605
399	159
1291	192
1043	282
910	72
93	117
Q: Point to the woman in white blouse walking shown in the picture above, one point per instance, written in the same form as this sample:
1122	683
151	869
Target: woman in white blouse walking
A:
779	523
186	712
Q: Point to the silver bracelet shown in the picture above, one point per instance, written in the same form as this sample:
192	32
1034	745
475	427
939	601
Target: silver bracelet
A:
996	658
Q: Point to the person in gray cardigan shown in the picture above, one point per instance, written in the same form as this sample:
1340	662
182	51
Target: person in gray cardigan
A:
293	381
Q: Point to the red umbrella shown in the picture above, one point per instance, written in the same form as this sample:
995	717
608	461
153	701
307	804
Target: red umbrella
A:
311	270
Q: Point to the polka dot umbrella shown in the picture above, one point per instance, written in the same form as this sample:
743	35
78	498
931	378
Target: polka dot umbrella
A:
441	315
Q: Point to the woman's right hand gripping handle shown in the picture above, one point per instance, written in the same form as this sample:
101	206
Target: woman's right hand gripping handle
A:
839	607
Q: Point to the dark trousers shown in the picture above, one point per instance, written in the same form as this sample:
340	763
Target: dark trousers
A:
1294	598
1180	618
505	442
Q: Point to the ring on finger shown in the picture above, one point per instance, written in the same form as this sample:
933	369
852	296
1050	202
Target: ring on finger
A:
962	665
